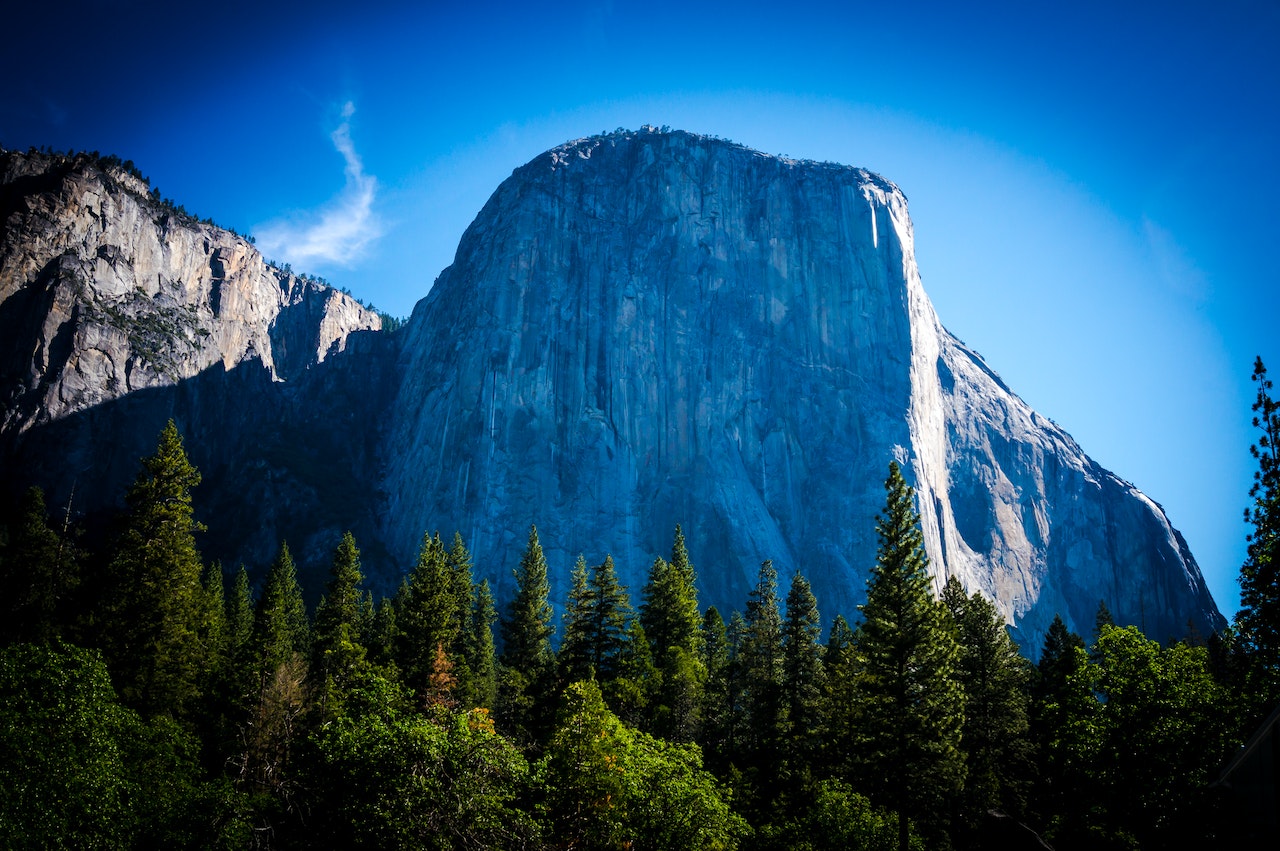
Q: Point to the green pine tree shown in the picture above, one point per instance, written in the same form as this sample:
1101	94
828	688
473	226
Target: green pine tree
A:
759	660
527	662
281	689
480	652
911	705
153	607
610	613
281	630
714	731
995	736
337	649
669	614
802	678
840	638
463	586
1258	622
1064	731
427	618
574	656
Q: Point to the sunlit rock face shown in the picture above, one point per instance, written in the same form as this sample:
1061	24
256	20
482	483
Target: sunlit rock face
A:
639	330
653	328
118	311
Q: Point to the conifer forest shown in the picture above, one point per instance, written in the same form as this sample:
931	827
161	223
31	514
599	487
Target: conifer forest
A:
150	699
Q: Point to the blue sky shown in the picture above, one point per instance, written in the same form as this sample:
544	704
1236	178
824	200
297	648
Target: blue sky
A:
1093	185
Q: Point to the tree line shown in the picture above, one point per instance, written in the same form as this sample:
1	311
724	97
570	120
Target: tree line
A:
148	699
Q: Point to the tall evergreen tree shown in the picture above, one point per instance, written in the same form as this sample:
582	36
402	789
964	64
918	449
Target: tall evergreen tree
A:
337	650
281	689
669	613
1258	622
153	606
213	632
280	626
611	613
460	569
995	678
714	712
528	663
239	613
760	663
1064	730
840	638
911	702
574	657
802	676
427	618
480	653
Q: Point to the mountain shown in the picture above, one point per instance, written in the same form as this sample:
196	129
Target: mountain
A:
119	310
638	330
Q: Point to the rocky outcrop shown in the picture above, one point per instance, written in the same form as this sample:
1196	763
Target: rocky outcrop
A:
646	329
106	290
639	330
120	310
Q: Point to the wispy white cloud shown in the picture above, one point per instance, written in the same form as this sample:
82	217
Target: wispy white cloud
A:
337	232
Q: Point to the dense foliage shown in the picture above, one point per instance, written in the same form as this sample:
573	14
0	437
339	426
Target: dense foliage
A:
147	699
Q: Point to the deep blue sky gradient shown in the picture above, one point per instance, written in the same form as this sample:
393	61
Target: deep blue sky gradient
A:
1093	185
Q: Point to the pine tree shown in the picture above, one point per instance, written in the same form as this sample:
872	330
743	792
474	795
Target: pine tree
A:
995	733
427	618
669	614
240	612
840	638
802	675
1063	727
574	657
213	631
669	608
527	661
610	610
281	689
597	631
239	673
463	586
280	627
380	641
632	692
911	704
337	649
713	731
153	606
480	652
1258	622
527	629
760	664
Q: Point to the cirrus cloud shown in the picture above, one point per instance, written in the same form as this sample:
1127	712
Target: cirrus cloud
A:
340	230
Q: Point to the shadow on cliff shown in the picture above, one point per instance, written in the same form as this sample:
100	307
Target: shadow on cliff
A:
295	461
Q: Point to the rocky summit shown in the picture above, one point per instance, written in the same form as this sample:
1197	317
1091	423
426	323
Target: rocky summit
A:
638	330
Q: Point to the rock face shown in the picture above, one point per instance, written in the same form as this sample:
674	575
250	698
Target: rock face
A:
639	330
119	310
649	328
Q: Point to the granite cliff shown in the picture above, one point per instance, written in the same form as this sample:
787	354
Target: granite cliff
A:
120	310
638	330
650	328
